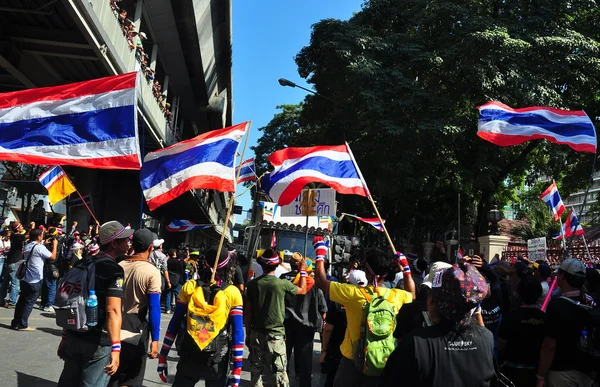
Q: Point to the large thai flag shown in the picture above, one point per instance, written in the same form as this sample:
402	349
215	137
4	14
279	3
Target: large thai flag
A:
206	161
371	221
552	198
185	226
247	172
296	167
572	225
88	124
505	126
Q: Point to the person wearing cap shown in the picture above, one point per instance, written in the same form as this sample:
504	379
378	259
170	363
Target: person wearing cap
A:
521	334
191	264
91	357
36	254
561	362
10	283
265	310
48	291
304	315
455	350
4	249
377	265
141	298
159	260
212	312
176	266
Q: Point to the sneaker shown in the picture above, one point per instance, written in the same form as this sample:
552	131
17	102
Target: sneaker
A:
48	309
11	306
28	329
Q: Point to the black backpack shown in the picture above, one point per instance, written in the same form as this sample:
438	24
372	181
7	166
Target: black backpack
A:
589	340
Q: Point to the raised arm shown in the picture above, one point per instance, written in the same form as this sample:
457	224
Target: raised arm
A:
320	274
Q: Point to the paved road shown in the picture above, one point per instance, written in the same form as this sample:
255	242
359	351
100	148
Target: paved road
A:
28	359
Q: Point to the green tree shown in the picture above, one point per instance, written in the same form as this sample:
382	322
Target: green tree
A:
406	77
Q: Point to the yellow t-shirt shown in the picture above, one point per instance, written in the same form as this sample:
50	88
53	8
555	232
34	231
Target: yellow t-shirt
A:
353	300
205	321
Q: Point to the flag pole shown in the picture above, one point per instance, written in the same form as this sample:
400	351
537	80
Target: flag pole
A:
370	197
78	193
231	202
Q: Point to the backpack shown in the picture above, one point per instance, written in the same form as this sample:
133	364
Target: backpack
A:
589	340
376	342
72	293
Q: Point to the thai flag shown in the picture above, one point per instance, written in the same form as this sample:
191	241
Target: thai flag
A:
274	240
185	225
505	126
572	225
90	124
372	221
459	254
206	161
552	198
295	167
247	172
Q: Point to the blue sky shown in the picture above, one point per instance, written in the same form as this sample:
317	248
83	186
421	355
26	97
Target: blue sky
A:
266	38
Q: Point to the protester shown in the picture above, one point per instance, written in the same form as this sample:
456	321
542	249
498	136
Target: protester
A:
456	350
141	298
304	316
176	268
491	306
36	255
4	249
354	298
333	337
561	363
10	283
212	311
159	260
521	334
264	317
51	273
92	357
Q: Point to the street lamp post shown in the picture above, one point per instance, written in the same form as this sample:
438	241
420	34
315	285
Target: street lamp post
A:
494	216
285	82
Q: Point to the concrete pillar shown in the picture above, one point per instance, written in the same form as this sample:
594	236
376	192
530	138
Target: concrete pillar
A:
137	18
427	249
165	88
153	56
490	245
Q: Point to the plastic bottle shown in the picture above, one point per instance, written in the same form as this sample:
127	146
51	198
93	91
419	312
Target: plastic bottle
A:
584	340
91	309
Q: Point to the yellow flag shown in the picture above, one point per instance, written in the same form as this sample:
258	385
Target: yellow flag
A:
57	183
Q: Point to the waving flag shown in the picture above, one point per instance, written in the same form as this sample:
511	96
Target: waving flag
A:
206	161
459	254
552	198
296	167
572	225
372	221
505	126
185	225
57	183
88	124
247	173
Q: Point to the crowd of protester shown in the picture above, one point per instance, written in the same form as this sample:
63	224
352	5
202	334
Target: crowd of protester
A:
135	41
382	320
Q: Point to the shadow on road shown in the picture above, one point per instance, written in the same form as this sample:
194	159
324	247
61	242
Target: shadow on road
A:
6	326
24	380
52	331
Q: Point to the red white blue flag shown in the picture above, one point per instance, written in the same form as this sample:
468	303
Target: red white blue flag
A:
371	221
505	126
572	225
206	161
552	198
459	254
247	172
185	225
91	124
294	168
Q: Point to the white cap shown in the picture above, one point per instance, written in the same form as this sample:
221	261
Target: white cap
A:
435	267
358	278
158	242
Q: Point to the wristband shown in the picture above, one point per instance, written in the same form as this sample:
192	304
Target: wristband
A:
115	347
302	273
320	259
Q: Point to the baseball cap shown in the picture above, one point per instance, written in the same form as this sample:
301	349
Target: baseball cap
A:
142	239
573	267
112	230
457	290
157	242
358	278
435	267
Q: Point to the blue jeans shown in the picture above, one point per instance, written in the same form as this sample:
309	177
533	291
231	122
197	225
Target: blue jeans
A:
48	292
10	283
2	259
171	296
84	364
29	294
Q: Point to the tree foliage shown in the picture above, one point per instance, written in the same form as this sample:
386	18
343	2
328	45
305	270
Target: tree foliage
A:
406	77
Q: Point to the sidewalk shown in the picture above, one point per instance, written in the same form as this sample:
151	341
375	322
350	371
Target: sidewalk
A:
29	358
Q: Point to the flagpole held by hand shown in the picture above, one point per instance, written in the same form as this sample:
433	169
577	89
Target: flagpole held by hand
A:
231	202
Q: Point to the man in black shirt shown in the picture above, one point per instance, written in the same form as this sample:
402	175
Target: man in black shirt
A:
456	351
521	334
92	357
562	363
10	283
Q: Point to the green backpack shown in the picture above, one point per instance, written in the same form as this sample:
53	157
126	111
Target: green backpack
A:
377	341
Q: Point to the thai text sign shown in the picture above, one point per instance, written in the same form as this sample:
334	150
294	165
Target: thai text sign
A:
312	202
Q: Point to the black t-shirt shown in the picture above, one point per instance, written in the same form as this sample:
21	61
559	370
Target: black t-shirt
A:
305	310
16	248
176	269
564	322
109	283
491	308
238	278
523	330
336	316
410	318
440	357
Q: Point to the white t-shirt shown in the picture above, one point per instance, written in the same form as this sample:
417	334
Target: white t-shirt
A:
4	248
